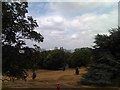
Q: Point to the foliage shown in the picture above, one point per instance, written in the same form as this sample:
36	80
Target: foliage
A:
15	25
15	28
81	57
10	65
105	71
55	60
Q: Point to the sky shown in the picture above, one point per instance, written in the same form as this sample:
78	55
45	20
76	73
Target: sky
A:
73	24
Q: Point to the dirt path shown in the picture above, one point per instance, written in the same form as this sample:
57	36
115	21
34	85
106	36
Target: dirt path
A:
49	79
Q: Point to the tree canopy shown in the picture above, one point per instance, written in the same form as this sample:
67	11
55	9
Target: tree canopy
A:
56	59
81	57
16	26
105	70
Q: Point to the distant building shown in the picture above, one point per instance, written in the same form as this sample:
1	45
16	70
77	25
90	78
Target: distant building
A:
55	48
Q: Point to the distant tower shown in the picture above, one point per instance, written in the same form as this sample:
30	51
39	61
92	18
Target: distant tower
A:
61	48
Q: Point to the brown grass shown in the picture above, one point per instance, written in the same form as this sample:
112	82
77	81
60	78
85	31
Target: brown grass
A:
49	79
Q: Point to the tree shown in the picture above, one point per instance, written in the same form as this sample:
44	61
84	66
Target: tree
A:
105	71
16	27
55	60
81	57
10	65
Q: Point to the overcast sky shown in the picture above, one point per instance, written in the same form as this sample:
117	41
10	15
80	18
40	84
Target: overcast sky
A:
72	24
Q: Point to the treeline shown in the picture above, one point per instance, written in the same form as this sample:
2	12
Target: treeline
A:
52	59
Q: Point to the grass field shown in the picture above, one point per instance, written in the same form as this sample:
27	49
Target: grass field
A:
49	79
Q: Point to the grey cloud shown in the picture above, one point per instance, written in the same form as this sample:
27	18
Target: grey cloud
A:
51	28
68	8
78	31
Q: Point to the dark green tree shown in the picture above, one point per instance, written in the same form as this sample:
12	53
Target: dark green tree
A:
16	27
42	57
81	57
105	70
55	60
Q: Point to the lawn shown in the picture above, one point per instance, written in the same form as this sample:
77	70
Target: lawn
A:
49	79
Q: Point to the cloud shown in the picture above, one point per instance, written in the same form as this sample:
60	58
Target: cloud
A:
74	36
78	30
73	0
77	8
51	23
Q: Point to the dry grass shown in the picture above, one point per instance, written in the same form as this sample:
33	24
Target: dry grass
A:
49	79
